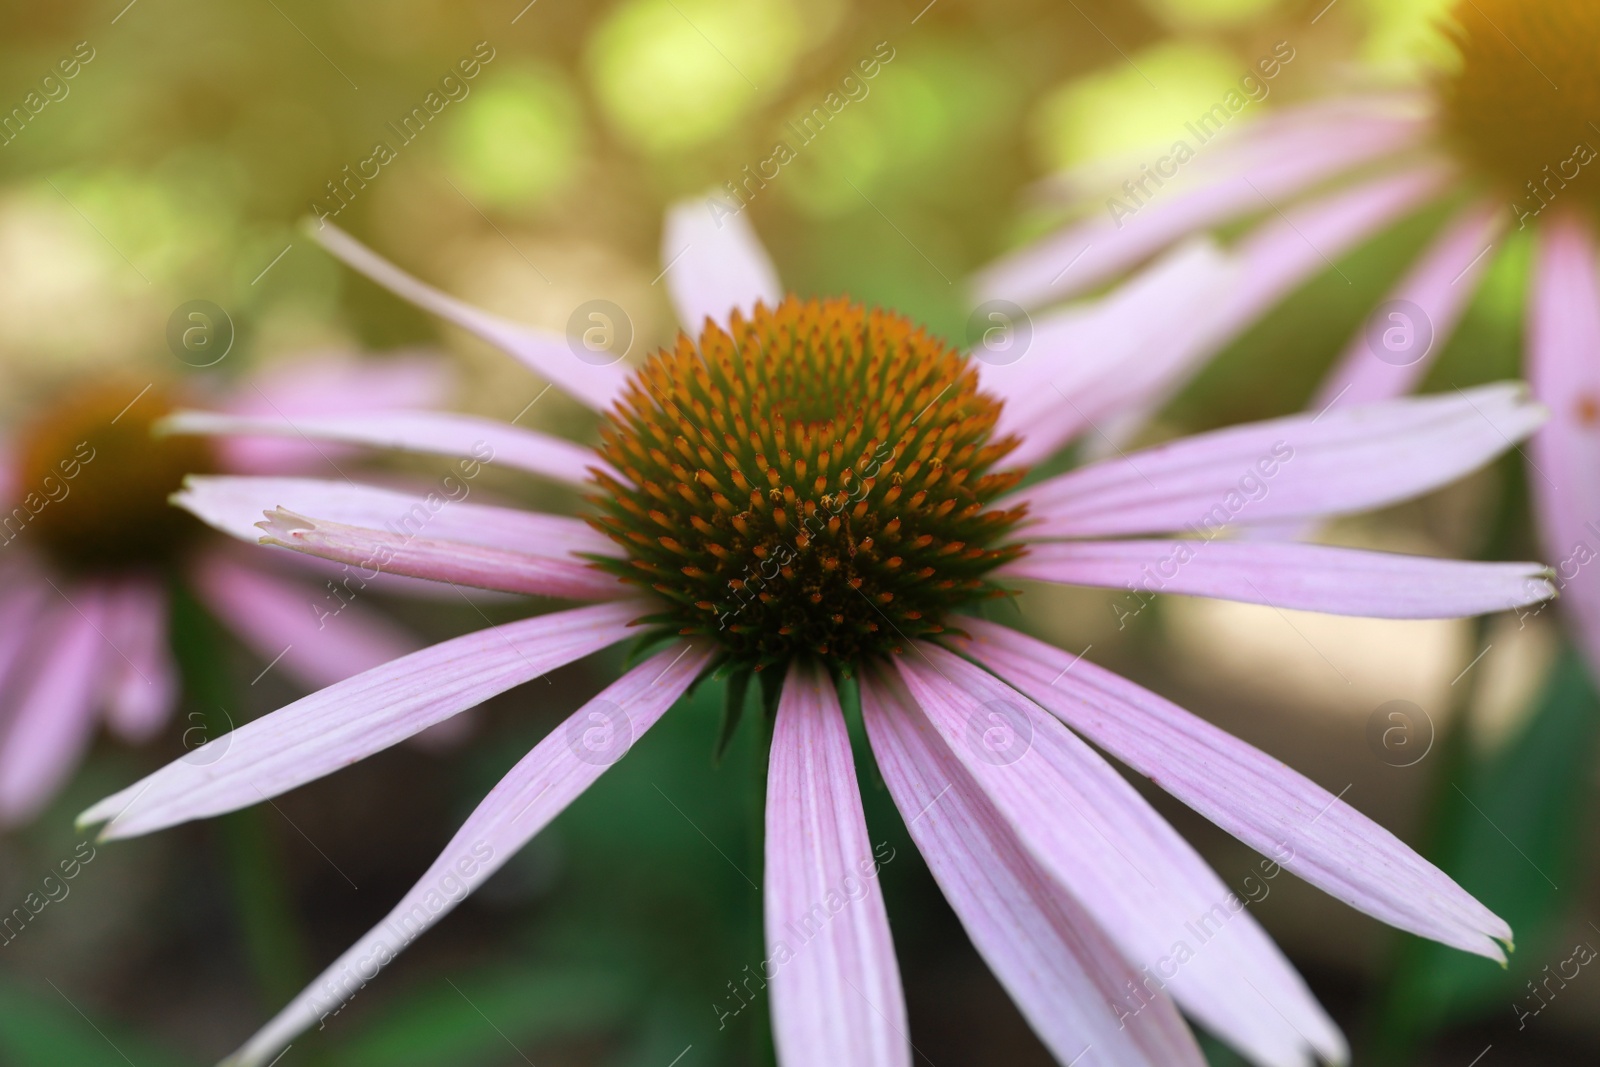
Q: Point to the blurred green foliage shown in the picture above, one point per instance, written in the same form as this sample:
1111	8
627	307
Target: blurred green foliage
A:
181	164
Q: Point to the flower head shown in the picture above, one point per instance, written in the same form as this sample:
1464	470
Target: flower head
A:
1505	142
1524	92
90	542
865	519
112	512
725	457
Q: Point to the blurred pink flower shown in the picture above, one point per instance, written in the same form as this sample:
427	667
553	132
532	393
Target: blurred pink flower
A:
1073	888
1505	145
89	543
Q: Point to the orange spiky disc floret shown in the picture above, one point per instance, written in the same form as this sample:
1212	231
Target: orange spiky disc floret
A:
816	482
1526	96
94	482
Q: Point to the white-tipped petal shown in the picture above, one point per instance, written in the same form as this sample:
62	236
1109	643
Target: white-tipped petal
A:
353	719
836	998
524	802
713	263
1301	467
1339	581
547	354
235	504
1266	804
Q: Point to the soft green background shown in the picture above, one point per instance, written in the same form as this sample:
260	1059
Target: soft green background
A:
180	166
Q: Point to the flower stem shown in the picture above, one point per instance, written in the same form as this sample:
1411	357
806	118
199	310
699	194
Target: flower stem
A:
273	944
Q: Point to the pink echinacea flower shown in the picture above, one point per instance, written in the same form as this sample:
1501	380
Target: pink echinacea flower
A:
89	544
1505	143
812	488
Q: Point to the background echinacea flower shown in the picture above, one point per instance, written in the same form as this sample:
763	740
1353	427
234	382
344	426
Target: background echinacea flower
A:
1506	140
820	496
89	543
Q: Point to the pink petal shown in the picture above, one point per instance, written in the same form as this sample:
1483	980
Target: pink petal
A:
1440	284
324	383
55	710
1258	799
836	998
353	719
1070	982
1339	581
22	595
1301	467
547	354
1282	161
143	680
1271	139
1105	845
373	552
478	442
334	382
524	802
235	505
318	635
1279	257
714	264
1564	366
1088	363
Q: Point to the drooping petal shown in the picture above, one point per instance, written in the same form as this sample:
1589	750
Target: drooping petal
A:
1088	363
475	440
455	562
547	354
1300	467
1440	285
21	596
357	717
1070	982
143	680
1277	163
836	997
713	263
1267	805
316	634
1158	901
1277	258
235	505
1339	581
324	383
1564	367
524	802
333	382
56	709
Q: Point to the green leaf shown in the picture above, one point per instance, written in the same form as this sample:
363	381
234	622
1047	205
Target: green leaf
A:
732	710
42	1028
1511	831
478	1018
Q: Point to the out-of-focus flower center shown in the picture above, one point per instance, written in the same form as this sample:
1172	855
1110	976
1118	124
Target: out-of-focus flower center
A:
817	481
93	482
1525	104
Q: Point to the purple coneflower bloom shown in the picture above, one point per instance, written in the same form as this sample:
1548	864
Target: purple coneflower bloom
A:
1507	142
88	543
811	489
